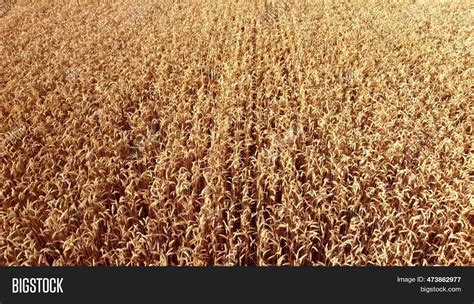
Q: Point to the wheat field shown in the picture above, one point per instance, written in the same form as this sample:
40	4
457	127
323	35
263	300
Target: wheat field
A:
201	132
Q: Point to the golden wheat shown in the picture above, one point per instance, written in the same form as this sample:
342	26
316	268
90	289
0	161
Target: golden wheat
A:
236	133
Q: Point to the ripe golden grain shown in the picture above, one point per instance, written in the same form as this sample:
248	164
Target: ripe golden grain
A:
207	132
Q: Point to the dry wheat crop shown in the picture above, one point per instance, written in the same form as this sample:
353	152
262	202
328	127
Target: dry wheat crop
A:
201	132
